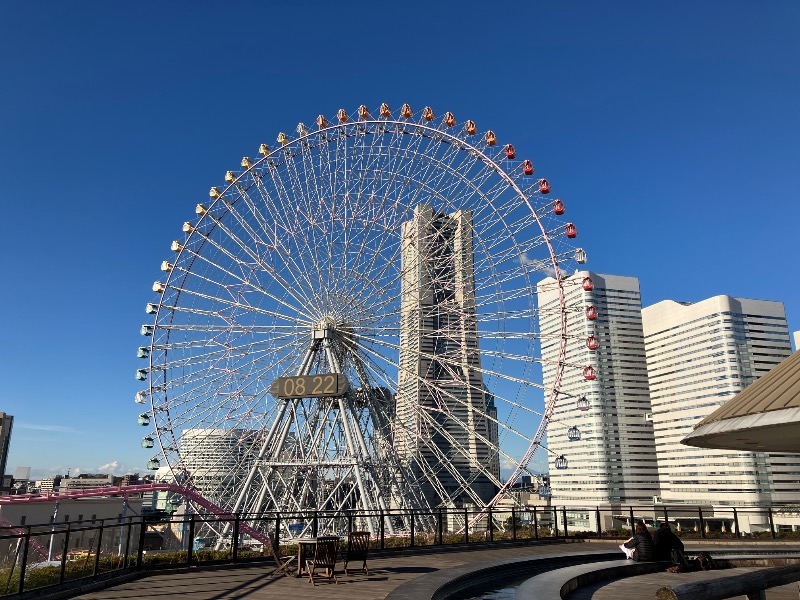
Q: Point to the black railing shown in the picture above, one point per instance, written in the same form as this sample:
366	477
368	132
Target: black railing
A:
38	556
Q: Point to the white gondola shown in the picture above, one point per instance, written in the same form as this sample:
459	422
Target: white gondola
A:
143	352
153	464
230	176
214	192
151	308
583	403
140	397
302	129
141	374
573	434
187	227
561	462
148	442
166	266
159	287
176	246
246	162
146	330
580	256
200	209
143	420
263	149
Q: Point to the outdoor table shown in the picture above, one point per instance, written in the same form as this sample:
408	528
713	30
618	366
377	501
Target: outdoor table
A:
306	546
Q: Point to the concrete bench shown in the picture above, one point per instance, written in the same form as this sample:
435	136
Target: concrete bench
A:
560	582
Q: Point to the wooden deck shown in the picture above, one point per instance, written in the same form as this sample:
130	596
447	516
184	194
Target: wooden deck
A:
386	573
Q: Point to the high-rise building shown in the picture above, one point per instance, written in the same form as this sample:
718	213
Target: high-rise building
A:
440	361
698	356
796	336
6	423
609	447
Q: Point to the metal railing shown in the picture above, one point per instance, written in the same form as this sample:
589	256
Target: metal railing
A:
38	556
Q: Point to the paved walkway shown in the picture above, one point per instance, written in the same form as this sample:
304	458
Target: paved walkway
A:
386	573
644	587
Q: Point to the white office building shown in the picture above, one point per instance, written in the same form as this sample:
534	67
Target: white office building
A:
698	356
609	448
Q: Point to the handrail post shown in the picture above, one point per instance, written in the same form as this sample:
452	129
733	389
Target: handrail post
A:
441	527
771	522
190	547
140	550
412	526
490	524
24	562
349	521
513	523
736	523
314	525
633	525
702	522
277	540
599	524
99	546
564	513
235	540
535	524
127	544
466	525
383	529
666	514
64	555
555	523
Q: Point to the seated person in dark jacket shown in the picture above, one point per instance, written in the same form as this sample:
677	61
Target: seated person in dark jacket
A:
664	542
640	546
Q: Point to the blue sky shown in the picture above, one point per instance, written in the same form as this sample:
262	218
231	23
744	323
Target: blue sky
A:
669	129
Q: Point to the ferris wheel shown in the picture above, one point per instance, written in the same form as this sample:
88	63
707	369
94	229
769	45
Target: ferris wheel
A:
350	321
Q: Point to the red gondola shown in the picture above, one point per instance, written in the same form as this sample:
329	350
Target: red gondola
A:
571	230
592	343
589	373
588	284
511	152
527	167
591	312
544	186
558	207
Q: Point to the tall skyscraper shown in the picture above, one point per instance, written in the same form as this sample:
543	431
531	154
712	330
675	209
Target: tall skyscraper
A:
698	356
610	447
440	361
6	424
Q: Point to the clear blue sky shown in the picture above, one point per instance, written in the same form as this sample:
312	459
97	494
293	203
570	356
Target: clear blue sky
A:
670	129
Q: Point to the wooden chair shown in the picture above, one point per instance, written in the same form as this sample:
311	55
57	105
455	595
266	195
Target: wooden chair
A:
325	554
357	550
282	562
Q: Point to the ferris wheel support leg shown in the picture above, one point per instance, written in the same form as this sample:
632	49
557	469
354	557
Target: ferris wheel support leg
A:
359	452
304	366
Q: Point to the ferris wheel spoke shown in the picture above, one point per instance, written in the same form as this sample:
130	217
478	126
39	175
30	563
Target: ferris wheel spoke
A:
440	390
287	288
501	376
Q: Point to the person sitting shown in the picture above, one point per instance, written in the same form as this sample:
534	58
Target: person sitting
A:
640	546
664	542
